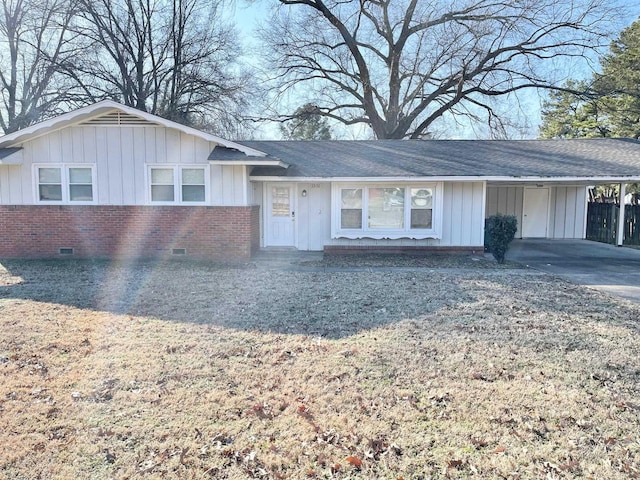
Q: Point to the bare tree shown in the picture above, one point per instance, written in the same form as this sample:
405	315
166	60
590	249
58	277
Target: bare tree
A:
400	65
173	58
34	41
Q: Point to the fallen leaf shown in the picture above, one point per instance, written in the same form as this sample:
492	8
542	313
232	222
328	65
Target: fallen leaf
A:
478	442
500	450
353	460
454	463
569	465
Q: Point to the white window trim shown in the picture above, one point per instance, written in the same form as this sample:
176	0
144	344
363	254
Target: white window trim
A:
177	183
64	178
391	234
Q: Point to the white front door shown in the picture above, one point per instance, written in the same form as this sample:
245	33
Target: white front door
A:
535	215
280	212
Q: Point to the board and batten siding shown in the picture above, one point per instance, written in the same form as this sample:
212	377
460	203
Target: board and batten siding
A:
567	208
463	205
313	215
229	185
11	185
121	155
506	200
463	214
567	212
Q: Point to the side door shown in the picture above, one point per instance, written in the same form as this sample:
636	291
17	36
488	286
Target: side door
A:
280	215
535	214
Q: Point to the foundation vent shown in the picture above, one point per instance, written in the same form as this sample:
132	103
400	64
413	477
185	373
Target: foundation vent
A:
179	251
65	251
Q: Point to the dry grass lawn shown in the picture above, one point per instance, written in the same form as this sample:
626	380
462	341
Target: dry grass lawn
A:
195	371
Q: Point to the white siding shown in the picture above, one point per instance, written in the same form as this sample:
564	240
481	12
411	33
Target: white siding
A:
139	153
102	167
115	173
255	198
567	212
5	186
129	181
10	191
506	200
314	215
170	146
567	208
228	184
463	222
121	155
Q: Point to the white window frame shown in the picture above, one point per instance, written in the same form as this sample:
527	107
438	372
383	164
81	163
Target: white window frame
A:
177	183
65	183
406	232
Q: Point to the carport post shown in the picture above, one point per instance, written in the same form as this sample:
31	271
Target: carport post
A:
620	232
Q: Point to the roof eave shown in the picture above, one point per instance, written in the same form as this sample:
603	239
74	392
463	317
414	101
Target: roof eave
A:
586	180
252	162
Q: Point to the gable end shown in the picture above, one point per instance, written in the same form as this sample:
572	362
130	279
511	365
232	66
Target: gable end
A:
118	118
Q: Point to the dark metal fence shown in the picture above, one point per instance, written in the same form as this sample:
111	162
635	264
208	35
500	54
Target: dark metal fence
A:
602	223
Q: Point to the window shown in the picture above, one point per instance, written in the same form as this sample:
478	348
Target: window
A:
351	209
386	208
64	184
280	202
80	184
178	184
50	184
386	211
193	185
422	208
162	185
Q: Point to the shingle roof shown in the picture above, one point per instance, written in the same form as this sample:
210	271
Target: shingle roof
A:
225	153
423	158
5	152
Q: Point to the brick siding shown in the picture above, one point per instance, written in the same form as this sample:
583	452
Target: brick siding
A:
214	233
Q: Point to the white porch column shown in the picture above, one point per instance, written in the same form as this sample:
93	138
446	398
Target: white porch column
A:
620	232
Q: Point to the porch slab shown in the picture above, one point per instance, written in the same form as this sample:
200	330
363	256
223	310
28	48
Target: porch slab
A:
615	270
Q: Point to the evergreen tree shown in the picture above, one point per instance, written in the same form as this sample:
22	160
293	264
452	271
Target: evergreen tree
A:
610	107
306	124
619	83
573	115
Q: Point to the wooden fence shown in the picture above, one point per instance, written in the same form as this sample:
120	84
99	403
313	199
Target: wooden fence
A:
602	223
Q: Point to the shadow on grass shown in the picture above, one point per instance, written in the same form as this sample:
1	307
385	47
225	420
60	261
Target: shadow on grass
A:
332	305
314	303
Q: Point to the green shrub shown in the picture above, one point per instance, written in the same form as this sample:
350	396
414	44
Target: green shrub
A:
500	231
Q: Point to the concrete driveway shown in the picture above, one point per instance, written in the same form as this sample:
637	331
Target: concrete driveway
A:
615	270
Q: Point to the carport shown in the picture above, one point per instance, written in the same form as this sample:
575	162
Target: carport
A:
615	270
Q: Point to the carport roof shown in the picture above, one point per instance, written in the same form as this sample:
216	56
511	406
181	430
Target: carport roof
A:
489	159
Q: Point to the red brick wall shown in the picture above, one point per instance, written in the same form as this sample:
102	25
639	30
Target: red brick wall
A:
216	233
